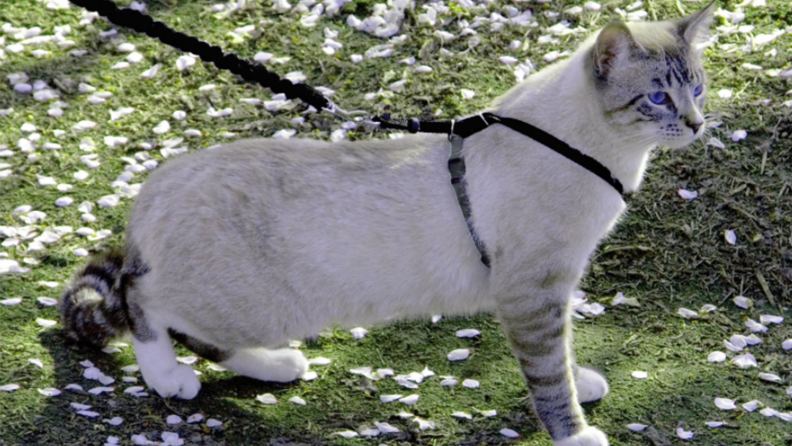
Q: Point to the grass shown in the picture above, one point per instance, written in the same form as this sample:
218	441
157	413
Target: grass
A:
667	252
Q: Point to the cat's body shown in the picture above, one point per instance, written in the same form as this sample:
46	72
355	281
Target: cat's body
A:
263	241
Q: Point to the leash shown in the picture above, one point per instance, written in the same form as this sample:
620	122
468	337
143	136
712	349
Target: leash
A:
457	130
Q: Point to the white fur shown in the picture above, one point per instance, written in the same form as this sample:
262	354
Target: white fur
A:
160	370
590	385
263	241
282	365
590	436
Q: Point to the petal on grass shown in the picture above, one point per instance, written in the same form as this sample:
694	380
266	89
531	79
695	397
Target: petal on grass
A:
267	398
636	427
725	404
716	357
459	354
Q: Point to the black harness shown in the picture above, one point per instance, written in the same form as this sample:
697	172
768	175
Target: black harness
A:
457	130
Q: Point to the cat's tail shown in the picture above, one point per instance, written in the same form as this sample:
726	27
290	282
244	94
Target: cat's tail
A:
93	307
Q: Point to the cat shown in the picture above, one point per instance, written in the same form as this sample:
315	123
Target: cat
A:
236	250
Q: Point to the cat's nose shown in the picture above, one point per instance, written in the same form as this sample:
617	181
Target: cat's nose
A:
694	124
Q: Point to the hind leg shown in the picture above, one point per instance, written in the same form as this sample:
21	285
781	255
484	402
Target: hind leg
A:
157	361
281	365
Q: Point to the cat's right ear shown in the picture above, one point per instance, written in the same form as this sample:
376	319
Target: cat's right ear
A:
613	46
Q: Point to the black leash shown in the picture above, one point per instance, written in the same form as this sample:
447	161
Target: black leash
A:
143	23
457	130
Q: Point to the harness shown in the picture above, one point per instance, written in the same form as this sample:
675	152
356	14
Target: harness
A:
457	130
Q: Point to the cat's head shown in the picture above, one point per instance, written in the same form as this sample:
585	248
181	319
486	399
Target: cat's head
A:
650	77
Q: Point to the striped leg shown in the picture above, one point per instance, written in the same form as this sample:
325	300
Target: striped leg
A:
539	328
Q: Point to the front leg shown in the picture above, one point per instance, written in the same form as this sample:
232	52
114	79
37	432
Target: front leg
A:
539	328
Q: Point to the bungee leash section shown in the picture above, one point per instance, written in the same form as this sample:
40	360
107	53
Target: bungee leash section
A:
457	130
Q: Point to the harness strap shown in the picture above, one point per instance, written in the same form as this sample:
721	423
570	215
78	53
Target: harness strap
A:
458	130
474	124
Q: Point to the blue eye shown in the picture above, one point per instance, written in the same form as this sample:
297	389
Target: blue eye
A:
698	89
658	97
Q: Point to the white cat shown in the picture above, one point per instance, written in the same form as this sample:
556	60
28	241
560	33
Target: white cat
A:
236	250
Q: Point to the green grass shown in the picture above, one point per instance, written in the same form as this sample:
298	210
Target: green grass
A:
668	253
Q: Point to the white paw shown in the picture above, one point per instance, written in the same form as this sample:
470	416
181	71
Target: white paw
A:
180	382
590	436
591	386
285	365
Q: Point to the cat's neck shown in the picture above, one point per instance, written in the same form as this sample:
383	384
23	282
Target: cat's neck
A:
561	101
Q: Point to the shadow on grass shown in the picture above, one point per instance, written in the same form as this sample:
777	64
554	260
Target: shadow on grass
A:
231	399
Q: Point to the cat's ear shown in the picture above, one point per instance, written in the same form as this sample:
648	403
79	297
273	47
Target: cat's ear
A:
613	46
694	28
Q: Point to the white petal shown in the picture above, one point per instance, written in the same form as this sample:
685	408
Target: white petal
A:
195	418
369	432
9	387
768	319
436	318
386	428
212	423
346	434
488	413
506	432
100	390
409	400
424	424
88	413
46	323
462	415
730	236
716	357
459	354
755	327
687	314
745	361
11	302
787	345
115	421
449	381
768	412
687	194
358	332
743	302
64	201
319	361
49	391
636	427
708	308
426	373
173	420
468	333
770	377
185	62
683	434
739	135
725	404
470	383
467	94
389	398
267	398
638	374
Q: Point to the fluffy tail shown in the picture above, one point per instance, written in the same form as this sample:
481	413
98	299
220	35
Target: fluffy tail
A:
93	308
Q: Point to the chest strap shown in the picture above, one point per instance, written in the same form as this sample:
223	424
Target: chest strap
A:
458	130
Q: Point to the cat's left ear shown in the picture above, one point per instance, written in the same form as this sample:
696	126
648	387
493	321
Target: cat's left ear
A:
694	28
